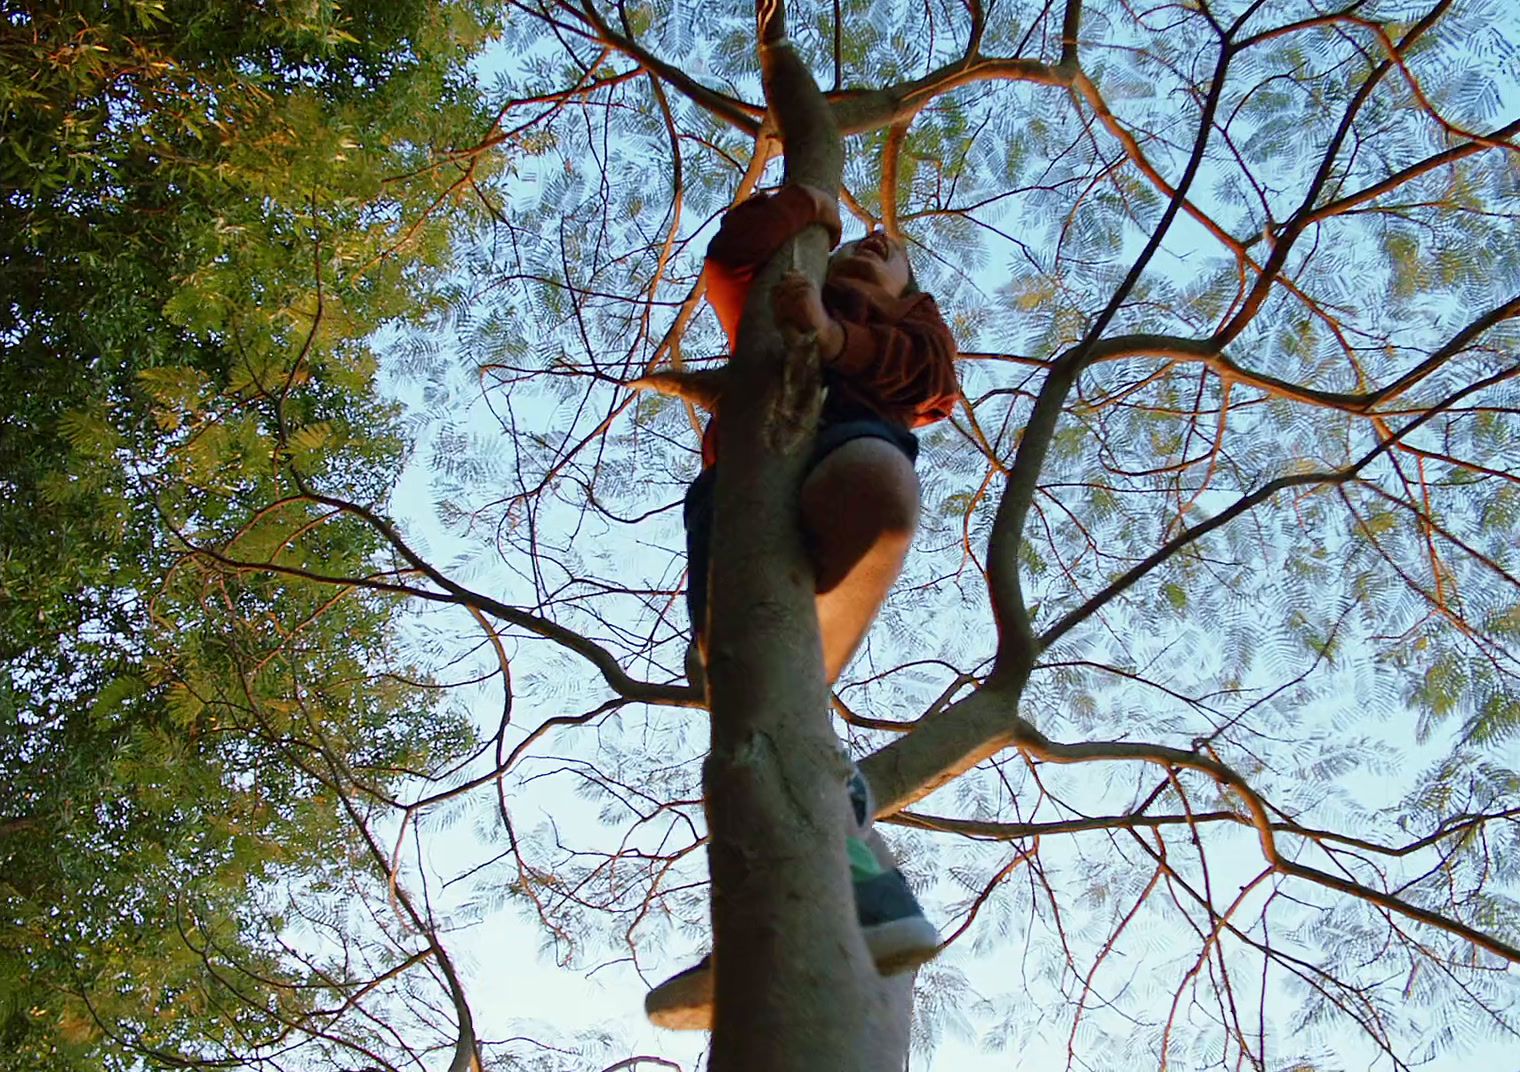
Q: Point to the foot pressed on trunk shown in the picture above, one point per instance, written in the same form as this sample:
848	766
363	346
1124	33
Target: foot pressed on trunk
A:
897	934
684	1002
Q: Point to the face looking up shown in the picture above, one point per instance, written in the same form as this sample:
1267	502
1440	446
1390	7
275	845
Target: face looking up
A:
876	259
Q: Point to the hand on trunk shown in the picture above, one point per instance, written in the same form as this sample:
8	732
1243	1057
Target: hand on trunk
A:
798	308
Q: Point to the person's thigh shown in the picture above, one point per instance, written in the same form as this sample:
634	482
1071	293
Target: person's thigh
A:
859	512
697	513
865	484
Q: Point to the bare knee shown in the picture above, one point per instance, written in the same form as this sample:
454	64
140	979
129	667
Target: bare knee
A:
861	502
868	480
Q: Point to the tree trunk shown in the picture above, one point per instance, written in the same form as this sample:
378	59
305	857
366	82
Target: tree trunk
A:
795	986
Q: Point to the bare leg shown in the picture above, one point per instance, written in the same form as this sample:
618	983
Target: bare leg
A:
859	513
859	510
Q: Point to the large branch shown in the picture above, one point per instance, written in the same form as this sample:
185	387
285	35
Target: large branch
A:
780	880
457	594
1413	171
1017	647
991	830
1299	222
854	111
738	114
466	1053
987	721
1180	348
862	111
1037	746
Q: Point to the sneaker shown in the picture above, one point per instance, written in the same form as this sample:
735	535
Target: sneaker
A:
897	934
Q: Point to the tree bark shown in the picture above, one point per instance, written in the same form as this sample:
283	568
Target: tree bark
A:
795	986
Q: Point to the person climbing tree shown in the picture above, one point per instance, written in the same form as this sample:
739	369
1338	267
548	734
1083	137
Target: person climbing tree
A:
887	361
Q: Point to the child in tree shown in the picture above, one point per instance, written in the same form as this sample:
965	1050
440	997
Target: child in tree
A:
888	365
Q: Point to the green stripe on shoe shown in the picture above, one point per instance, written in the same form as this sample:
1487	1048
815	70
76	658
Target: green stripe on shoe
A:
863	863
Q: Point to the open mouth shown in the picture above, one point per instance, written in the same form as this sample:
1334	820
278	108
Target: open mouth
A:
874	245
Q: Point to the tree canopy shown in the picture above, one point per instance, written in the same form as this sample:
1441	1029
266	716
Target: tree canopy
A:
204	218
329	521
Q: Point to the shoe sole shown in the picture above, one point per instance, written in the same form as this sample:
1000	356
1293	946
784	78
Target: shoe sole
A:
901	945
685	1003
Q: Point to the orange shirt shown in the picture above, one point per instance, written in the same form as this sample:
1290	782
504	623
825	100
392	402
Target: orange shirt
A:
898	360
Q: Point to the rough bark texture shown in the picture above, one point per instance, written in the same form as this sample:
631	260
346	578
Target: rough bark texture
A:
795	986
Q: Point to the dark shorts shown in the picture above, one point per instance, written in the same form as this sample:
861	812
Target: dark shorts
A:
698	511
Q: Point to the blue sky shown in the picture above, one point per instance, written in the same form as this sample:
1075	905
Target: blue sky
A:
518	989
